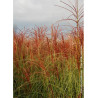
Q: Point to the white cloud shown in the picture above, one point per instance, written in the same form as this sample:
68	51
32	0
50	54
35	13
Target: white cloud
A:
39	11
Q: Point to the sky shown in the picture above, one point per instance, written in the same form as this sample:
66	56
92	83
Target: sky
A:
38	12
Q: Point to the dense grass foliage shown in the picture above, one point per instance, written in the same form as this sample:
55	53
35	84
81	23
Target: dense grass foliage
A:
48	66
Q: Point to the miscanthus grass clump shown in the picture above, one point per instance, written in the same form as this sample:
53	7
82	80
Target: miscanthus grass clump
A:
47	67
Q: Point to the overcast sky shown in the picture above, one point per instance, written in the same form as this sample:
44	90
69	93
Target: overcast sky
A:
38	11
